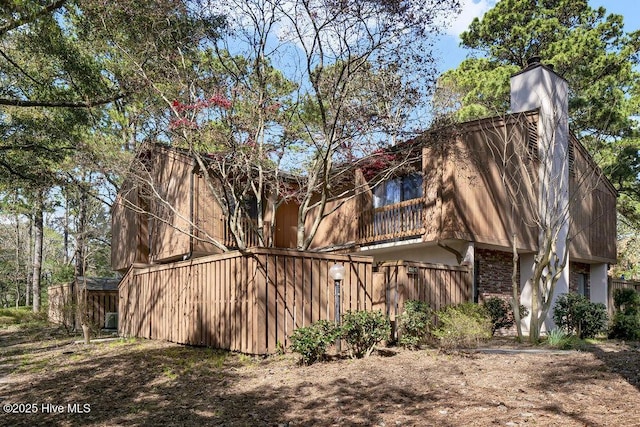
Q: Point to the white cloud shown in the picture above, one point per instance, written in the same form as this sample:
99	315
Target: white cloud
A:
469	10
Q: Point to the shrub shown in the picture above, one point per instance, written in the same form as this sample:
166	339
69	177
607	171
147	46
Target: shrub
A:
415	324
626	300
464	325
626	321
625	326
577	315
501	314
312	341
362	330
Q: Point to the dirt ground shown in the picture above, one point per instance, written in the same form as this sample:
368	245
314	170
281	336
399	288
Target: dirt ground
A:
139	382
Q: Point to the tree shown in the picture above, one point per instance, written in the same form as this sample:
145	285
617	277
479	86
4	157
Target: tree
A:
296	87
332	47
588	48
66	68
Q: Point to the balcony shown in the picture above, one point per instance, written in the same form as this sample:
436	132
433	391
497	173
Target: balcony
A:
399	220
249	230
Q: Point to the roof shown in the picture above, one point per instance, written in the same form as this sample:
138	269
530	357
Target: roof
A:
99	283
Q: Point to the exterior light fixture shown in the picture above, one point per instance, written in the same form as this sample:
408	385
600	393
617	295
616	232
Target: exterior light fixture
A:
337	272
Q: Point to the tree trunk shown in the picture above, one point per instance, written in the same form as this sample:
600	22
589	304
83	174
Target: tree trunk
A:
515	302
80	235
17	269
38	223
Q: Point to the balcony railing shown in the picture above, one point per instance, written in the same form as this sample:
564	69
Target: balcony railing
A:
248	228
400	220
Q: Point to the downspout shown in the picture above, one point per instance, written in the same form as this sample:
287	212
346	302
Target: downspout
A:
189	255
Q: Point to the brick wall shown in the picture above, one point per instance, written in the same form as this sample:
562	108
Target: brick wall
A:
575	270
494	269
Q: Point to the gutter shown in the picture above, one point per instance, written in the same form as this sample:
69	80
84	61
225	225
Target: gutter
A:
189	255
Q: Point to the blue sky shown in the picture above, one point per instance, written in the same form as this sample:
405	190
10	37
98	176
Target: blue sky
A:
450	54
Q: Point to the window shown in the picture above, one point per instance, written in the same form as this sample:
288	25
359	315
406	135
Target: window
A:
396	190
583	288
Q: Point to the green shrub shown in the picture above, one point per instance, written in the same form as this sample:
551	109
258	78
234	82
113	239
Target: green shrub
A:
501	314
626	300
311	342
625	326
578	316
464	325
626	321
362	330
415	324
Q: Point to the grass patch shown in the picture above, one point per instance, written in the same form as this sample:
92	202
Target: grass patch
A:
31	365
22	316
122	342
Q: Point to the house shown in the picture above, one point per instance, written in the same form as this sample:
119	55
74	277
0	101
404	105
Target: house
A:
488	184
475	191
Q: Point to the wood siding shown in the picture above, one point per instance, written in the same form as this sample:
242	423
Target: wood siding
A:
170	203
247	302
481	185
129	230
209	221
488	189
340	227
593	210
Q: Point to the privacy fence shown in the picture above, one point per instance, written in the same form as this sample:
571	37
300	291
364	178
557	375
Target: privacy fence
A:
620	284
252	301
439	285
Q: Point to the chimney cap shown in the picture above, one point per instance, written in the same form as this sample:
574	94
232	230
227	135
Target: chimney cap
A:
533	60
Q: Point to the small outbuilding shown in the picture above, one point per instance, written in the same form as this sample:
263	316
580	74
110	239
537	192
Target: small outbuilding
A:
98	296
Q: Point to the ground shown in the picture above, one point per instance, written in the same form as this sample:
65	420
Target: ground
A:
139	382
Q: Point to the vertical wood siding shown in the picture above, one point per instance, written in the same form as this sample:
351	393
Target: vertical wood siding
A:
249	302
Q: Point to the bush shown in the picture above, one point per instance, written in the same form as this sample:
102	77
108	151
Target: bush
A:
625	326
312	341
576	315
415	324
362	330
626	321
626	300
501	314
464	325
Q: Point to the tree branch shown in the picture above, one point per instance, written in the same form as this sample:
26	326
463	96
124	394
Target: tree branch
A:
15	23
60	104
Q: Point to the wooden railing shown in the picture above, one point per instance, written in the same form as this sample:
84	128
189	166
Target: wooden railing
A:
249	230
404	219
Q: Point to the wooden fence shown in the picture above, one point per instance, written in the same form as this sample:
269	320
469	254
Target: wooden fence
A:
252	301
619	284
249	302
437	284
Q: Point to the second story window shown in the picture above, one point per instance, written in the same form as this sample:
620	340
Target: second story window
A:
398	189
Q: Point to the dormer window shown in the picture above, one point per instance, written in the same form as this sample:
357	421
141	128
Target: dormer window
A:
398	189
